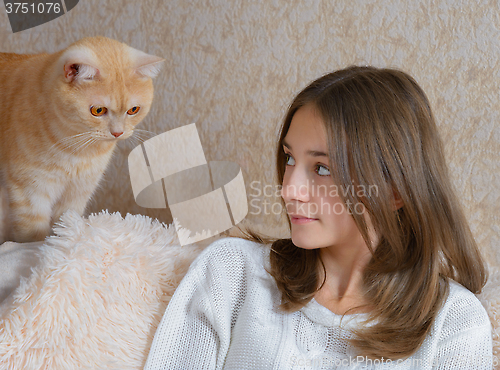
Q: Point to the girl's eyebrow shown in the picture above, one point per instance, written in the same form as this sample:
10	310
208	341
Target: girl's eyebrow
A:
313	153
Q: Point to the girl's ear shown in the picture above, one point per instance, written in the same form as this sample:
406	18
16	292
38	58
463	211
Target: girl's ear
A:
397	202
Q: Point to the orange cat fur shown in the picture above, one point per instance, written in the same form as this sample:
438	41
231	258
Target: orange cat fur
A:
62	115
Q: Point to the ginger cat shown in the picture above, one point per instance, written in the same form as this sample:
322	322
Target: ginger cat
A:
62	115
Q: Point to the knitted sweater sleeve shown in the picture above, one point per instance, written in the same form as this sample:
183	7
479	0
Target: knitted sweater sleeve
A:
196	328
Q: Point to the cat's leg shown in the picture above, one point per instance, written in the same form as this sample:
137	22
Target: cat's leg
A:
4	211
76	195
30	207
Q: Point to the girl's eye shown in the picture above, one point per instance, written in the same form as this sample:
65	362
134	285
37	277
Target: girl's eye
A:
98	111
322	170
289	161
134	110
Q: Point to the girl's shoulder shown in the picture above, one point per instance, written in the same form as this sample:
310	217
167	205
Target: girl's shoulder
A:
460	297
461	310
234	254
235	243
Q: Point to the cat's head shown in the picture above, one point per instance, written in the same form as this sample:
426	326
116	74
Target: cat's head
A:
104	88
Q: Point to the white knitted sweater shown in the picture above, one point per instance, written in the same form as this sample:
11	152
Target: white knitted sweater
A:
223	316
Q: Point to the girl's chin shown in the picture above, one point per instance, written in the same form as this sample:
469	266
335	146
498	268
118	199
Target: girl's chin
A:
305	242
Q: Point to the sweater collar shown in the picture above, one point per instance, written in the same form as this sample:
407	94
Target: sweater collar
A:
323	316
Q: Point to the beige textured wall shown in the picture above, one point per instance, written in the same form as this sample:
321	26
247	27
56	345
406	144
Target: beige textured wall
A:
232	67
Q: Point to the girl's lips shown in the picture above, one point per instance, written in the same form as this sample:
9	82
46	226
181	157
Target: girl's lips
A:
299	220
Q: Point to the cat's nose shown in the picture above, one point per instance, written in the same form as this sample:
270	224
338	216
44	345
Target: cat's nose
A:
117	134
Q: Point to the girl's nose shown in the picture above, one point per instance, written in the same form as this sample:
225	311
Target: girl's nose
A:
295	186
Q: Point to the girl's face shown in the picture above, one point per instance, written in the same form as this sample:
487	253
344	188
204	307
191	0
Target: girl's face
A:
317	214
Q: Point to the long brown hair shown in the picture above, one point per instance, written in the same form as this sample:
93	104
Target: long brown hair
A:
381	132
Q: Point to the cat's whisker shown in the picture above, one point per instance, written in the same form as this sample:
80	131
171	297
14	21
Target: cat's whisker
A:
69	138
134	141
137	140
77	135
138	130
138	137
86	144
70	144
69	141
141	136
76	144
72	139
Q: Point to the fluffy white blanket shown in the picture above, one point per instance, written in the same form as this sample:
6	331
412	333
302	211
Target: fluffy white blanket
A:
96	296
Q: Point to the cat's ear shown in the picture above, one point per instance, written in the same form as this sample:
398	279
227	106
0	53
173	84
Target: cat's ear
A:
145	65
78	64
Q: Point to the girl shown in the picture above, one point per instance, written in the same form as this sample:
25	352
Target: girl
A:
381	266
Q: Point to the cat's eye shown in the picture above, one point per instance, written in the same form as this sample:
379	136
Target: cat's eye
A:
98	111
134	110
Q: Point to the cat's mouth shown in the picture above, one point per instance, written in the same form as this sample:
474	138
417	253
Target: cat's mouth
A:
111	136
111	139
